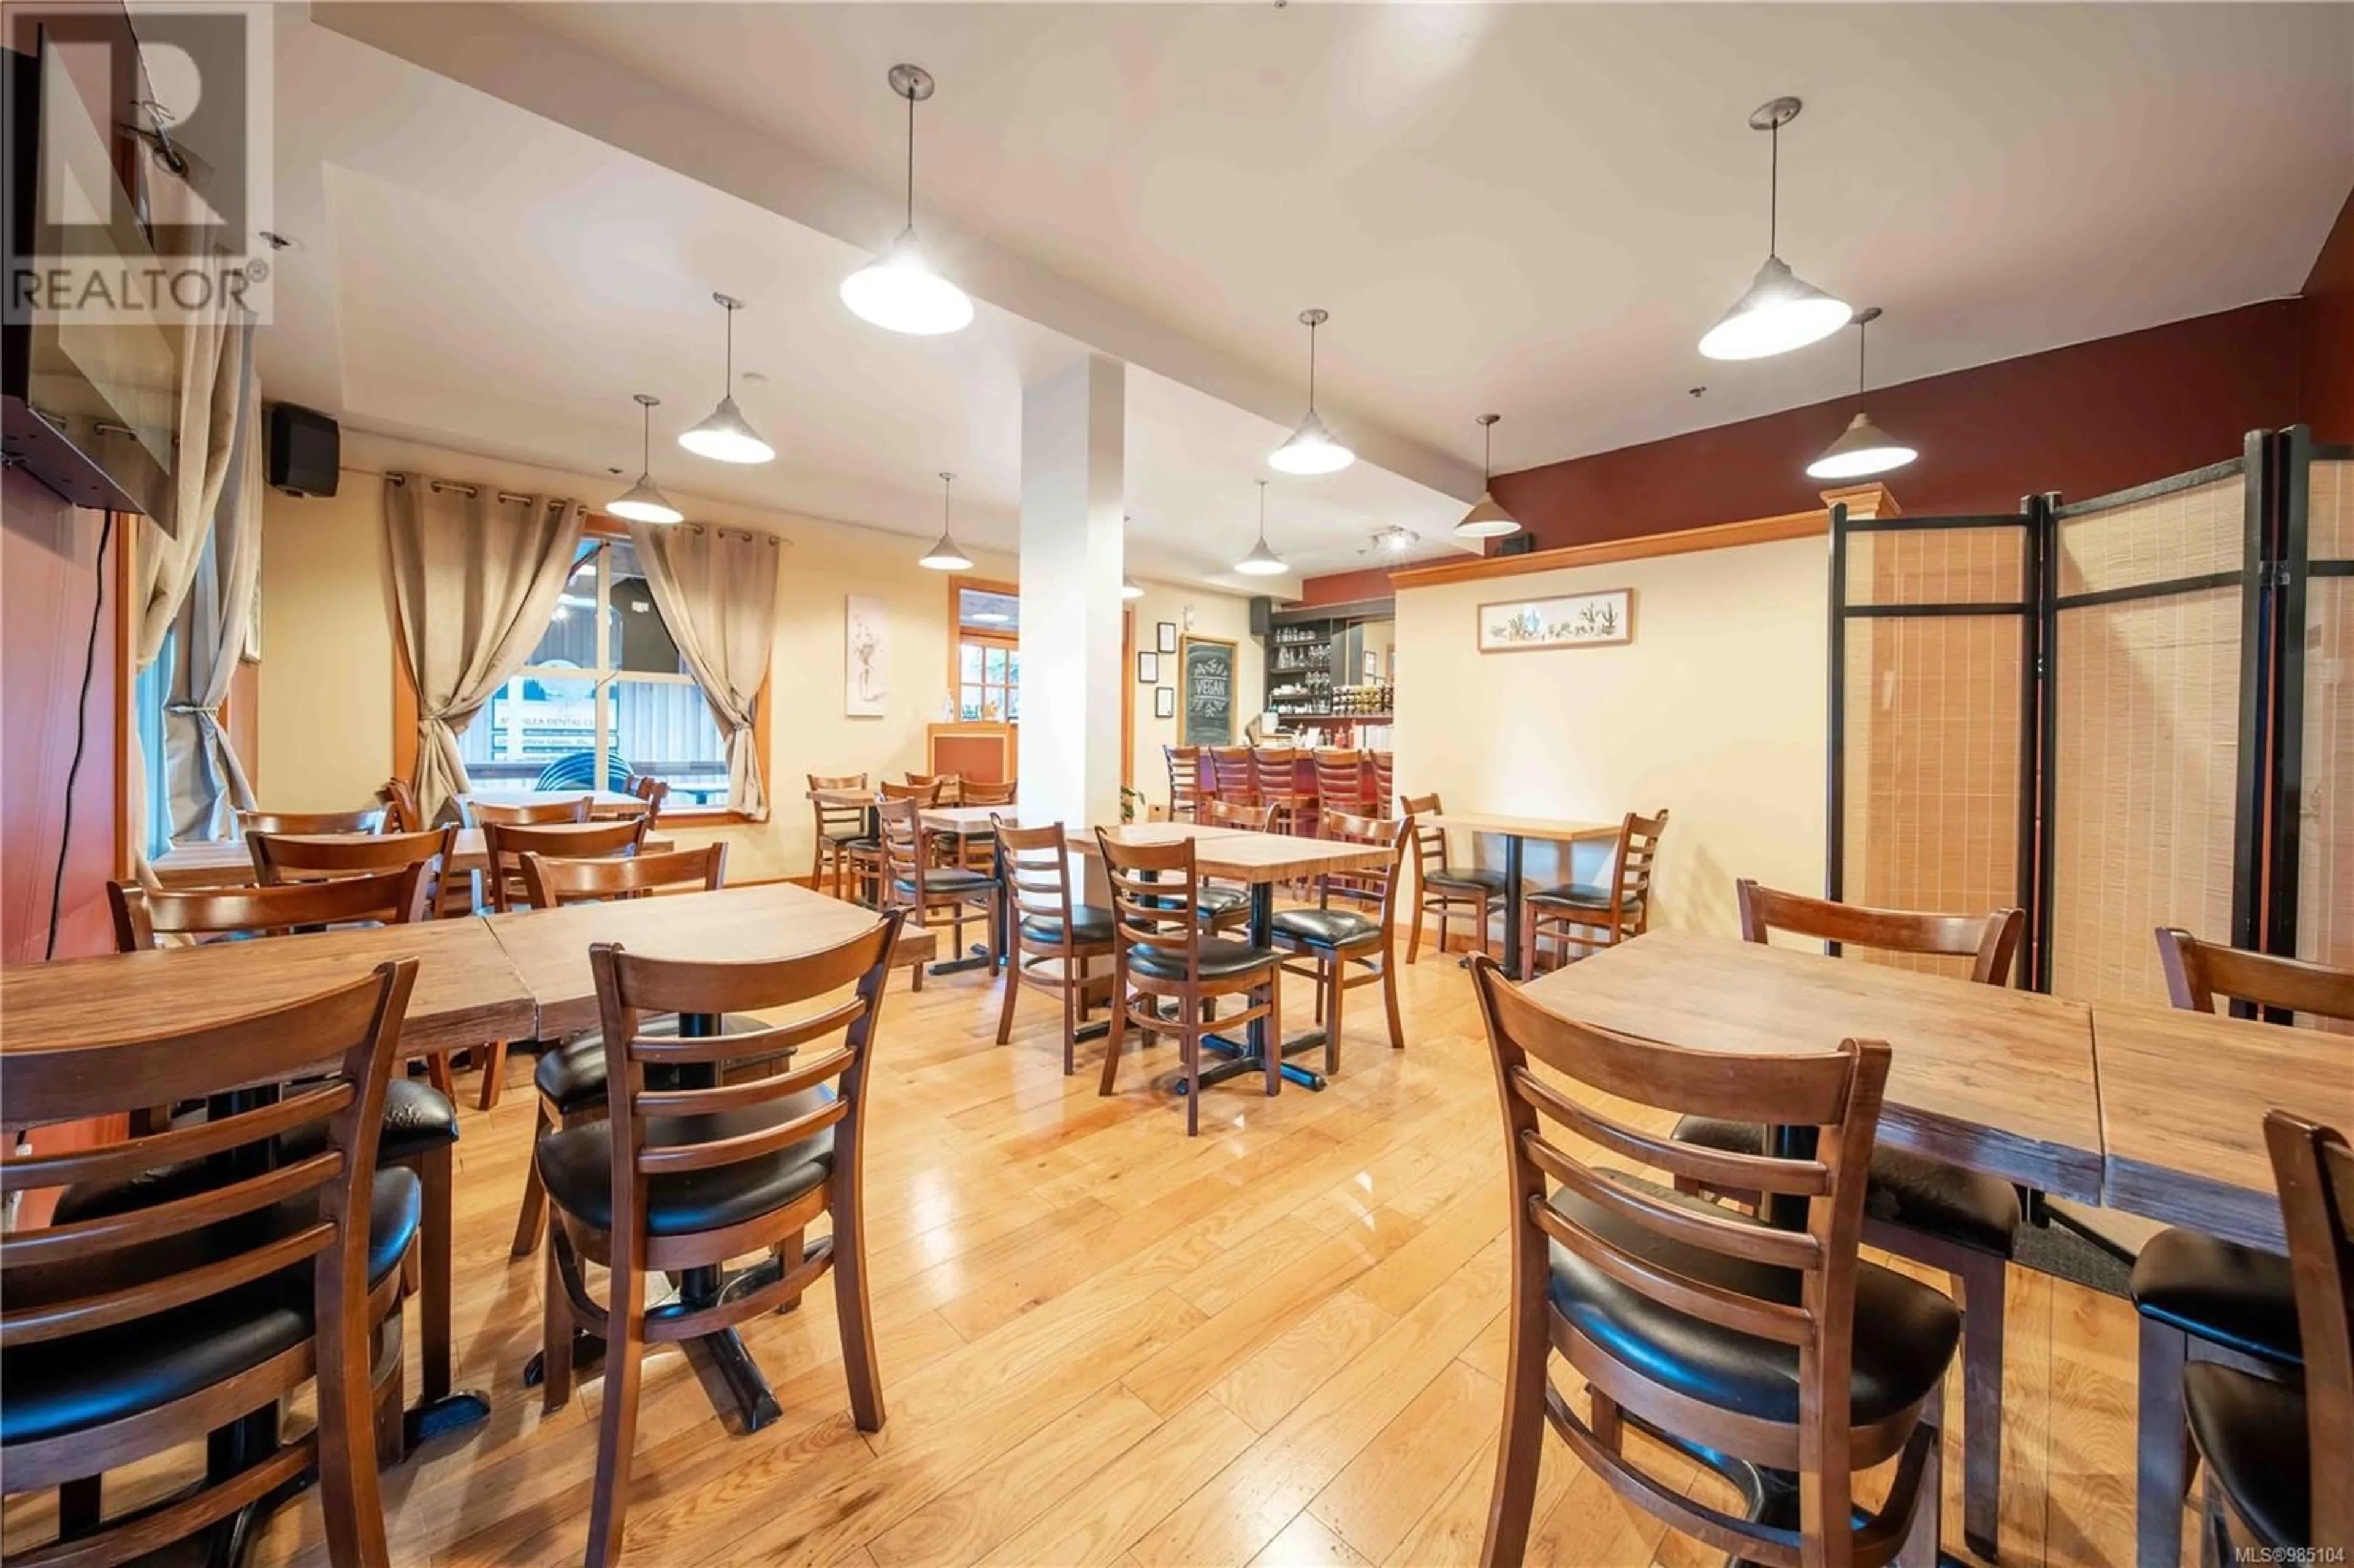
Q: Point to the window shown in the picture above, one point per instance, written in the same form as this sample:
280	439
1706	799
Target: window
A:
604	695
149	693
988	650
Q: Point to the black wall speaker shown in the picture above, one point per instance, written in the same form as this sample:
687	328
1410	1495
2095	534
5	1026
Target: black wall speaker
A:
305	448
1516	544
1262	617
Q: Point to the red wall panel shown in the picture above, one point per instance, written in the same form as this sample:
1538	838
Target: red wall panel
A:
2327	402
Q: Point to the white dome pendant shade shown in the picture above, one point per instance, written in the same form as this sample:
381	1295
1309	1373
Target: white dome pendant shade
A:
1865	449
1311	448
1487	520
898	291
1262	562
644	502
945	557
1781	311
727	436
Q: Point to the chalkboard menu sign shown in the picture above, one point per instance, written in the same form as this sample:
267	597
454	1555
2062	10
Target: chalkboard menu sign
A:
1206	701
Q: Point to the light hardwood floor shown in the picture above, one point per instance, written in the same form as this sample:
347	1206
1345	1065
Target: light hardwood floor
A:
1277	1344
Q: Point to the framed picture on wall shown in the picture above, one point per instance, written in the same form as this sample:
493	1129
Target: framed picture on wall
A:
866	657
1570	620
1166	636
1148	668
1164	702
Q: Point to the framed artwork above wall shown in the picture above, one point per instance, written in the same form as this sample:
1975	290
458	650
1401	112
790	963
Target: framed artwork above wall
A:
1566	620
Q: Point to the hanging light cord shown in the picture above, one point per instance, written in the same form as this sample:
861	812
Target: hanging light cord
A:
728	387
1487	453
1862	337
1774	192
1311	387
1262	483
646	442
911	160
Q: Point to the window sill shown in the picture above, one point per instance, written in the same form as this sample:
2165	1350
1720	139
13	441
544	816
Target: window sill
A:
703	817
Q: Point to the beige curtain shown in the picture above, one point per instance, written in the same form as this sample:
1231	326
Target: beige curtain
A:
475	578
717	590
205	776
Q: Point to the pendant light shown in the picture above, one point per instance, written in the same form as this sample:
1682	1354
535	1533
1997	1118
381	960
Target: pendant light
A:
1781	311
1262	562
1311	448
898	289
1129	586
1487	520
1865	449
945	557
727	436
644	503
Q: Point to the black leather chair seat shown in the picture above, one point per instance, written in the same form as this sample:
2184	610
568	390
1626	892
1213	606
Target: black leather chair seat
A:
2229	1295
848	836
1907	1189
1470	879
572	1075
417	1118
2252	1432
59	1386
946	879
1089	924
1573	895
1217	898
1221	959
576	1165
1904	1331
1328	927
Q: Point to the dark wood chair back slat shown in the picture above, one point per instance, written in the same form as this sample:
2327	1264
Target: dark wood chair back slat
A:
530	814
1153	891
144	914
2198	973
504	848
1184	781
1233	774
1638	854
368	819
549	882
2314	1169
1990	941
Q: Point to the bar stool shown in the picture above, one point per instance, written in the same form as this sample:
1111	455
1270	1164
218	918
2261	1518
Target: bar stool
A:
1922	1209
1275	774
1595	916
1442	889
1341	785
1331	940
1233	777
1159	953
1385	783
1775	1348
845	845
1049	931
196	1277
1184	781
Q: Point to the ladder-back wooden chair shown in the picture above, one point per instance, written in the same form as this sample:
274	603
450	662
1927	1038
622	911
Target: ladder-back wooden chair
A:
845	850
194	1274
1224	907
2199	1298
654	792
1184	781
948	787
1593	915
1448	891
1054	939
1341	787
1159	953
504	848
1331	940
913	883
1274	776
529	813
401	814
1960	1221
764	1137
1233	777
1385	783
366	820
1779	1347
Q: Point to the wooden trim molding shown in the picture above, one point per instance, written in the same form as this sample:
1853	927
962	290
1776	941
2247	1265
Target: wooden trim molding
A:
1862	500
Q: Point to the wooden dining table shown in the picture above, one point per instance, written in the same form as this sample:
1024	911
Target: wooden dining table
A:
1516	832
227	863
1982	1077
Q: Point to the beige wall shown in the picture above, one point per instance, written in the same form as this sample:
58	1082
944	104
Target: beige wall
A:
327	648
1213	615
1715	711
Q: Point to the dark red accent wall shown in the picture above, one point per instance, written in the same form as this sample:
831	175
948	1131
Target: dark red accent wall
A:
2327	402
50	573
2084	420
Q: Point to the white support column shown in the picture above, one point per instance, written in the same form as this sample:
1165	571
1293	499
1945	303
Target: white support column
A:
1073	441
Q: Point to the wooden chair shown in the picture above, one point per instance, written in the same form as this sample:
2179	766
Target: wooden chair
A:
1226	905
912	883
1053	939
844	846
1159	952
1591	916
421	1121
570	1077
401	814
199	1274
301	854
1341	785
1233	776
1331	940
2202	1301
1275	778
366	820
1442	889
654	792
1779	1347
1921	1209
1385	783
740	1161
2268	1506
505	846
949	786
1184	781
530	814
979	850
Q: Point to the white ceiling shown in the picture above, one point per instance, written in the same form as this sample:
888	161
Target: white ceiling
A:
1526	208
511	304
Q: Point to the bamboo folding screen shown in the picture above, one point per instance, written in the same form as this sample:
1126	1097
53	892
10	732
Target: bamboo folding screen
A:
2124	713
